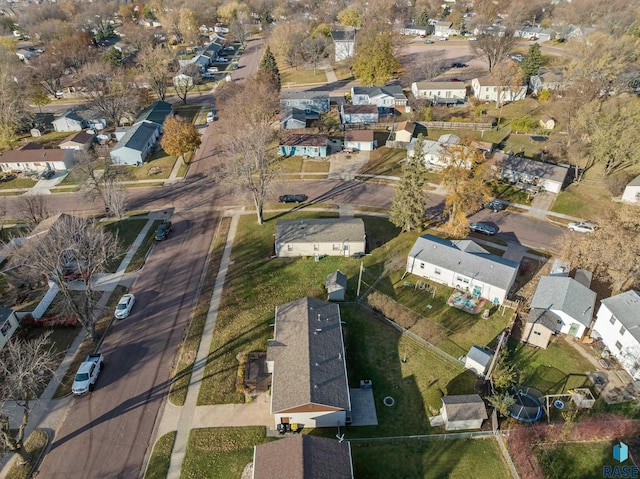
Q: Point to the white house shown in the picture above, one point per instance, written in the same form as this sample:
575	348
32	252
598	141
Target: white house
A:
444	29
478	360
405	131
618	326
440	93
344	43
319	237
306	359
417	30
523	170
136	144
571	302
542	34
8	325
632	191
70	120
462	264
37	160
489	89
434	153
359	140
359	114
386	98
466	411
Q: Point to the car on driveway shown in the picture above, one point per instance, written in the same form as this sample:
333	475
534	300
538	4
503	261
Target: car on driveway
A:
458	65
582	227
293	198
47	174
455	79
124	306
163	230
495	205
483	228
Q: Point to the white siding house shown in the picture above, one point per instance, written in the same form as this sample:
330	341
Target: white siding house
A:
440	92
344	43
489	89
517	169
37	160
359	114
464	265
359	140
618	326
8	325
319	237
70	120
632	191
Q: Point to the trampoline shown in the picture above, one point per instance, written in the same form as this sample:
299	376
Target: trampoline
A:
527	406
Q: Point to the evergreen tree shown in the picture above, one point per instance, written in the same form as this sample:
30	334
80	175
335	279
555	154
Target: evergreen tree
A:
407	209
269	65
423	18
531	63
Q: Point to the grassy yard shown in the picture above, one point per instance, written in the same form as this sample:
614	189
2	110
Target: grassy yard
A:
575	460
220	452
429	459
510	193
160	459
35	444
293	164
127	231
51	140
384	161
342	71
141	253
311	166
18	182
583	201
158	166
187	112
553	370
522	143
301	76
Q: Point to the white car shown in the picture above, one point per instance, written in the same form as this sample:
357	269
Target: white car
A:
211	116
212	70
582	227
124	306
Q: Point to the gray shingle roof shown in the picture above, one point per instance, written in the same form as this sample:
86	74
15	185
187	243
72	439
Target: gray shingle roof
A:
303	457
372	91
336	280
304	95
467	258
5	313
480	355
440	85
320	230
157	112
346	35
635	181
464	407
308	355
558	293
626	308
535	168
544	317
359	109
138	136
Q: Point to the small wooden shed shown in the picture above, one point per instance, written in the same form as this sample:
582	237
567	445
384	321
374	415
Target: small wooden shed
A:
336	285
466	411
478	360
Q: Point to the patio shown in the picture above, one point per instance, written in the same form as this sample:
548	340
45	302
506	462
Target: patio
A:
466	302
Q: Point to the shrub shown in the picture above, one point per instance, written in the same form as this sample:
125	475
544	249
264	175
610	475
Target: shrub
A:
617	182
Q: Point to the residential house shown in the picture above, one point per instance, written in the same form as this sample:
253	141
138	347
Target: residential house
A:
445	29
70	120
336	285
304	145
359	140
136	144
462	264
221	28
417	30
157	112
542	34
449	139
440	93
359	114
490	89
344	43
478	360
292	119
547	122
484	146
303	456
517	169
434	154
24	55
319	237
308	101
466	411
618	326
386	98
495	30
37	161
572	32
547	80
8	325
631	192
80	141
405	131
182	80
306	359
567	300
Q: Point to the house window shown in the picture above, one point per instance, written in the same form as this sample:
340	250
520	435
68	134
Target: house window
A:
622	330
463	279
421	265
289	247
537	333
437	271
618	345
613	320
6	328
316	247
336	247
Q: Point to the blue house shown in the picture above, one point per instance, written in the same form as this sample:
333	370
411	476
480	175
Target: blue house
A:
304	145
359	114
305	100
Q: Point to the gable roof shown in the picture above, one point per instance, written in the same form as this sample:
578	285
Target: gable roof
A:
304	95
464	407
358	135
440	85
557	293
31	156
534	168
157	112
407	126
31	145
626	308
336	280
81	137
71	114
287	114
394	91
467	258
544	317
320	230
308	354
359	109
635	181
303	457
480	355
344	35
490	81
137	137
5	313
304	140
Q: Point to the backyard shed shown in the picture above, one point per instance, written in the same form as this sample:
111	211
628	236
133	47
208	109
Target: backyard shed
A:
478	360
466	411
336	285
540	326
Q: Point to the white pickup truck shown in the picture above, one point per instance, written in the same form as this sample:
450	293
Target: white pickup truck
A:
87	374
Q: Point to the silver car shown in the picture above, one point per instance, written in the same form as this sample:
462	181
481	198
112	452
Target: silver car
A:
582	227
483	228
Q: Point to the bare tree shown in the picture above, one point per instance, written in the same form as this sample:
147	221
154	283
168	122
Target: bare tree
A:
47	71
33	208
315	49
186	81
12	103
248	131
424	67
73	51
103	179
26	366
156	62
75	245
492	49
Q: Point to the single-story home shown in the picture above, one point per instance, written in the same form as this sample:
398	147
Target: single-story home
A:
70	120
8	325
568	301
304	145
495	30
417	30
319	237
440	93
484	146
547	122
303	456
445	29
478	360
465	411
306	358
336	285
157	112
434	153
359	114
542	34
517	169
37	160
547	80
386	98
405	130
305	100
618	326
490	89
360	140
80	141
631	192
292	119
344	43
136	144
462	264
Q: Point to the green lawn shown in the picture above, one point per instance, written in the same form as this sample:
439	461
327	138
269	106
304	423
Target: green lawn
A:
141	253
220	452
575	460
583	201
157	166
553	370
510	193
187	112
18	182
127	231
301	76
522	143
459	459
160	459
310	166
384	161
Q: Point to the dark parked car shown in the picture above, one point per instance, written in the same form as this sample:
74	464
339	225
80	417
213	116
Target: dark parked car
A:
495	205
455	79
293	198
163	230
47	174
458	65
483	228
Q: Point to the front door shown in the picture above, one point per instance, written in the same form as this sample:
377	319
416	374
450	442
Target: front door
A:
346	250
573	330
